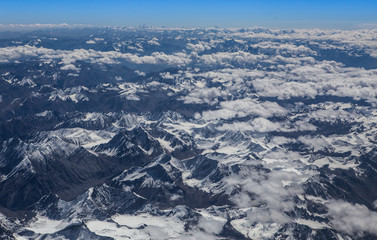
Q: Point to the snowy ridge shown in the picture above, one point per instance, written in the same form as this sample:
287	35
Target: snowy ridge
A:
148	133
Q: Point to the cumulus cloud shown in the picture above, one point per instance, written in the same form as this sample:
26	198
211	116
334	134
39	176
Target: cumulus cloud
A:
70	67
140	73
110	57
356	39
331	115
352	218
315	143
204	95
154	41
284	48
269	194
258	125
264	125
211	225
229	58
267	215
199	47
287	77
319	79
242	108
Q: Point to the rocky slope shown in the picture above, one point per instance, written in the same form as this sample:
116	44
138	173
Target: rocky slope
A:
146	133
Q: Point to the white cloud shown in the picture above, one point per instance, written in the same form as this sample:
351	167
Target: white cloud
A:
352	218
204	95
111	57
283	48
321	78
375	204
199	47
299	76
264	125
154	41
257	125
331	115
30	27
211	225
272	193
242	108
315	143
140	73
70	67
229	58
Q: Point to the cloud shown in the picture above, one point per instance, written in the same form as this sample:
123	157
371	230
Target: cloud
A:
352	218
211	225
299	75
279	48
371	26
331	114
264	125
239	58
319	79
315	143
31	27
70	67
110	57
199	47
268	194
258	125
242	108
154	41
140	73
267	215
204	95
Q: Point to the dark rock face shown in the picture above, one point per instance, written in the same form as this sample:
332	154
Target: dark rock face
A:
142	133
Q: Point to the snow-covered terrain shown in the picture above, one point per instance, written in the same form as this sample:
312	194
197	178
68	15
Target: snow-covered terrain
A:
157	133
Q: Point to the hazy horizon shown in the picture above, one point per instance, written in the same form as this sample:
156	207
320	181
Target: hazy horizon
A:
238	14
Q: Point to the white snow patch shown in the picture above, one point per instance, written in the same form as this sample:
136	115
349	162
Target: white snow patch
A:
42	114
165	144
310	223
143	226
44	225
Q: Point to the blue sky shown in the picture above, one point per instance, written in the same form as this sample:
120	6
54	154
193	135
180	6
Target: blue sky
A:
345	14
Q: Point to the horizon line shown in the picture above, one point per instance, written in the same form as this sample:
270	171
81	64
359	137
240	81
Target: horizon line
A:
41	26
